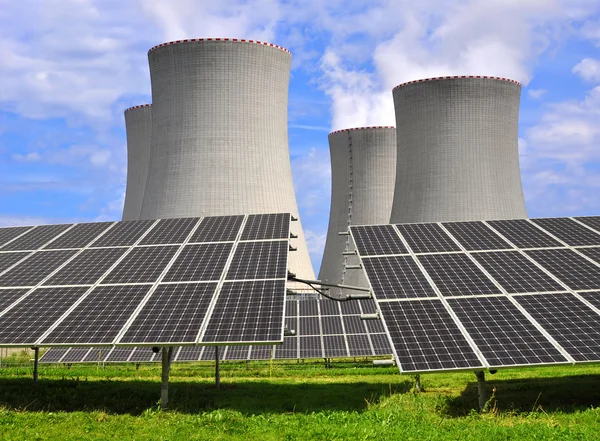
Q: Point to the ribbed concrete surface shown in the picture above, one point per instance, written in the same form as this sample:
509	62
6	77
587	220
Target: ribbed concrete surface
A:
363	170
220	143
138	125
458	153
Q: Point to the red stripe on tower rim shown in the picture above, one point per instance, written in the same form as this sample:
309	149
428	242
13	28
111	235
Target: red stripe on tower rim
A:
236	40
457	77
361	128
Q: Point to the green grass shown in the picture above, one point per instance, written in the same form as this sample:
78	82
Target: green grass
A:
294	401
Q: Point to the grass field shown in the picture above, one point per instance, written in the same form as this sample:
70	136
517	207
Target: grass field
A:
295	401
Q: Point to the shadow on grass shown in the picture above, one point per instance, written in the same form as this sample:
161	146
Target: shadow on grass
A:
134	397
559	394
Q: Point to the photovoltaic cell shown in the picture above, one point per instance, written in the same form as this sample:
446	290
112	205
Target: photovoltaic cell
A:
35	268
524	234
218	229
173	314
375	326
100	316
25	323
593	297
358	344
9	296
334	346
142	265
368	306
199	262
457	275
9	259
309	307
575	326
35	238
332	325
142	354
9	233
53	355
569	231
590	221
592	253
97	354
119	354
259	260
291	308
476	236
377	239
329	307
267	226
381	344
75	355
569	267
394	277
354	325
78	236
309	326
310	347
288	350
348	308
87	267
123	234
170	231
426	338
502	333
261	352
427	238
249	311
515	273
237	352
190	353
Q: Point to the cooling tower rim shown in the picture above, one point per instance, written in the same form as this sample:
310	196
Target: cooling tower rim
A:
139	106
234	40
362	128
454	77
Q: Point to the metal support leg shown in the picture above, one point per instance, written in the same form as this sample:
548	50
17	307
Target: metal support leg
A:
217	373
418	383
36	356
167	355
481	389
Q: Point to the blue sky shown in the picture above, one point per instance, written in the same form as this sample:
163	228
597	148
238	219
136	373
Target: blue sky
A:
68	69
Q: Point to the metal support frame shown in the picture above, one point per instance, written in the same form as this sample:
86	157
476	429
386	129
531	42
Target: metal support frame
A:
217	372
418	383
481	389
167	357
36	358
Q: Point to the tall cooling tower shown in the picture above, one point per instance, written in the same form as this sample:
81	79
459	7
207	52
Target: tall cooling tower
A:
458	155
220	134
138	124
363	170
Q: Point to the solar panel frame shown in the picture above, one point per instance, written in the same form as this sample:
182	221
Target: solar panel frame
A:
427	238
124	234
523	234
568	231
591	221
373	240
8	234
568	266
141	265
218	229
259	260
266	226
199	262
87	267
170	231
78	236
31	272
36	237
473	236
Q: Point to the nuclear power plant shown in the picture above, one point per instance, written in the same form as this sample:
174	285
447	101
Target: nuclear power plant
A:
363	172
138	125
219	135
458	156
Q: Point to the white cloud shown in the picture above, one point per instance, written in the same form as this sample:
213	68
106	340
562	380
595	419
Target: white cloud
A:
536	93
588	69
29	157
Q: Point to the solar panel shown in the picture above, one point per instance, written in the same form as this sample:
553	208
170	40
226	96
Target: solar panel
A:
267	226
476	236
35	268
9	259
309	326
334	346
25	323
593	297
354	325
569	231
590	221
53	355
502	333
190	353
381	344
427	238
174	313
515	273
9	296
592	253
142	354
288	350
78	236
523	234
309	307
259	260
349	308
251	311
170	231
332	325
310	347
571	268
359	344
75	355
261	352
575	326
96	354
100	316
367	306
35	238
141	265
119	354
237	352
426	338
9	233
218	229
123	234
456	275
87	267
395	277
377	240
199	262
375	326
329	307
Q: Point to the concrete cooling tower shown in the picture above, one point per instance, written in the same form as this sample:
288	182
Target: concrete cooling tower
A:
458	155
138	124
220	133
363	170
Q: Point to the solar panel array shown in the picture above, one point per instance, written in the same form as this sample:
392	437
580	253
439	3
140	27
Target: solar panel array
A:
486	294
324	329
212	280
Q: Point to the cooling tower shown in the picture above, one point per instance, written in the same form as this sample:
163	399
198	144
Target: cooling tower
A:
458	155
138	124
219	133
363	170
